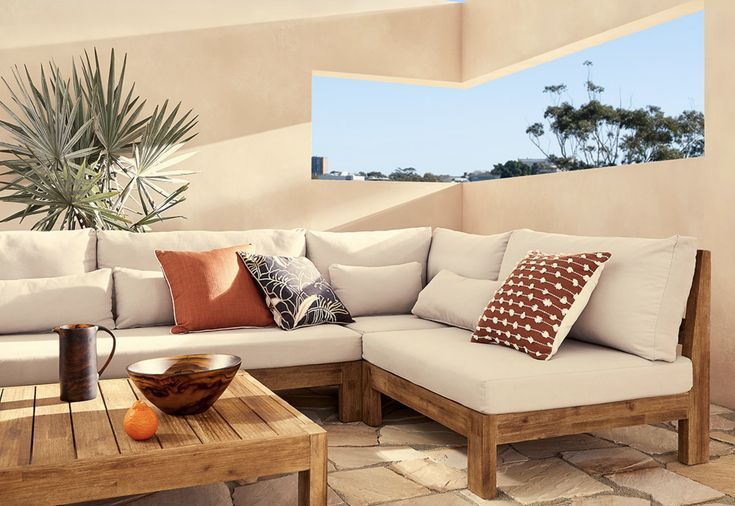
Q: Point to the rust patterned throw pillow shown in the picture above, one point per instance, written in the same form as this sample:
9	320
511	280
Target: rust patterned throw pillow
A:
539	302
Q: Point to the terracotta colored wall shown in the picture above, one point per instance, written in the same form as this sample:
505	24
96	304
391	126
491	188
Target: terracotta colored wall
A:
246	69
693	197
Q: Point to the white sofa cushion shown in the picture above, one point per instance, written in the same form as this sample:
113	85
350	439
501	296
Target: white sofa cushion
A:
469	255
30	254
142	299
368	249
455	300
495	379
40	304
366	291
33	358
136	251
641	296
383	323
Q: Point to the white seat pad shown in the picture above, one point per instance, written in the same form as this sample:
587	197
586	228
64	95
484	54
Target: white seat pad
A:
495	379
27	359
385	323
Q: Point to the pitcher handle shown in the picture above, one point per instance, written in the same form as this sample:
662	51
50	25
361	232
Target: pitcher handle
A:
114	344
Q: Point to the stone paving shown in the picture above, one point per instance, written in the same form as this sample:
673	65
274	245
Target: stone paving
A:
412	461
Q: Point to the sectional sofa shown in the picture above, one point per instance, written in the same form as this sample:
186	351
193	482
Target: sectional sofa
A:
639	353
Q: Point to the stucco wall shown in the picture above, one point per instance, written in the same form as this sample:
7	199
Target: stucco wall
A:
692	197
246	69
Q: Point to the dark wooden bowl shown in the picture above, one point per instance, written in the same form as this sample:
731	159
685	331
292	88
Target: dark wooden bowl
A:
184	384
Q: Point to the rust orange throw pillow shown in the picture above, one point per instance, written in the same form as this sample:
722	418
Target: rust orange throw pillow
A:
212	290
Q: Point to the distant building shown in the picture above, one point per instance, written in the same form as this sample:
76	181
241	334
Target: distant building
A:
318	166
336	175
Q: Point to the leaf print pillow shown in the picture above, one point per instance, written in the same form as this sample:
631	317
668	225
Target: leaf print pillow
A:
296	294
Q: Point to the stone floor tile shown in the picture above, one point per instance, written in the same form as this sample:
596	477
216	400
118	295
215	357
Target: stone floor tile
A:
719	422
723	437
375	484
455	458
718	474
546	480
716	409
398	413
432	474
429	433
351	434
331	467
601	461
610	500
666	487
355	457
646	438
267	492
474	499
217	494
544	448
448	499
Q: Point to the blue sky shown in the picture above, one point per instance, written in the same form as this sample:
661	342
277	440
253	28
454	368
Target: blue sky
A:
368	125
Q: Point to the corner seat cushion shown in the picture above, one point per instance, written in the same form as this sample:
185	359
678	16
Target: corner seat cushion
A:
386	323
33	358
495	379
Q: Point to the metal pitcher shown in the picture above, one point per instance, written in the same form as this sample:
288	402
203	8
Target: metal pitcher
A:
78	372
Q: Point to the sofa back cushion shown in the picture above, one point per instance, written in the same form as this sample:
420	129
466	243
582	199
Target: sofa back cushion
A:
142	299
136	251
40	304
31	254
641	296
368	249
468	255
370	291
455	300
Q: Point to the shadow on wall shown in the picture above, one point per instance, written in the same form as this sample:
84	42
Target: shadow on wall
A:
440	209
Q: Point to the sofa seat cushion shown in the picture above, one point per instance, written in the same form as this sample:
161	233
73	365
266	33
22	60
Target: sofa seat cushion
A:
495	379
388	323
33	358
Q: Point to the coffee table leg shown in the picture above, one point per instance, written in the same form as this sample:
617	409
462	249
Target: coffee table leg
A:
313	483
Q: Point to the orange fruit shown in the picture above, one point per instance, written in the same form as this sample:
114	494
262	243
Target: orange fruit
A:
140	422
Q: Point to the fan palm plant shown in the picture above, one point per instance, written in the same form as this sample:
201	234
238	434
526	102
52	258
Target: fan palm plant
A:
81	151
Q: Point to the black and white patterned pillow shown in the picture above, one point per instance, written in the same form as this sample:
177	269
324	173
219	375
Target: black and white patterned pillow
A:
295	292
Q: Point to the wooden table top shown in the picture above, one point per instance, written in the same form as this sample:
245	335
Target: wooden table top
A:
40	432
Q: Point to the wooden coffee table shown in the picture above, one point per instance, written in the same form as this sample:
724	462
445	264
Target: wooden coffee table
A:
53	452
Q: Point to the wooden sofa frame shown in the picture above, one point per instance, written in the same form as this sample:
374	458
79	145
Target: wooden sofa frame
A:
362	384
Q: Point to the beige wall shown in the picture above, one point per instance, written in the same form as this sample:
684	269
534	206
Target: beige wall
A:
246	69
694	197
250	83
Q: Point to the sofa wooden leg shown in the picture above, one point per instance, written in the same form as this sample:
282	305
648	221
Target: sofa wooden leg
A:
482	455
350	392
372	407
694	435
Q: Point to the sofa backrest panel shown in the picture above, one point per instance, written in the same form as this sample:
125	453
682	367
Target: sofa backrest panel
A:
31	254
468	255
368	249
642	293
137	251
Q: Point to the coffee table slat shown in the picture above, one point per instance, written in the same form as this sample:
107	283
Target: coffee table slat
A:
16	425
118	397
241	418
173	431
210	427
93	434
279	419
53	439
